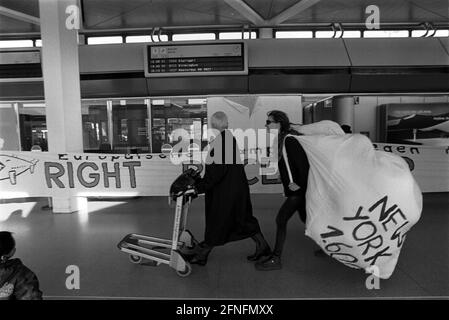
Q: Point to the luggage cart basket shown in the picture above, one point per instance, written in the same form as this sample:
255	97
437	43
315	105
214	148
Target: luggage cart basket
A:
168	251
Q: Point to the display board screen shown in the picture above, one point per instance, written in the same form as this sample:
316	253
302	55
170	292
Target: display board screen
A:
195	59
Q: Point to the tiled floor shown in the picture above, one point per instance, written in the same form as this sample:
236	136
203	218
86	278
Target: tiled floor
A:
48	243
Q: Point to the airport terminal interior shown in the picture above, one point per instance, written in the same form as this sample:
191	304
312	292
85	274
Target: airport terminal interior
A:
113	81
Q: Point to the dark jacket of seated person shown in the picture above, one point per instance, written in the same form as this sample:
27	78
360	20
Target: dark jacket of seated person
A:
229	213
17	282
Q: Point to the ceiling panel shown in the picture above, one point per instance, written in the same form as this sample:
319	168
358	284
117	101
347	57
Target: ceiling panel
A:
142	13
391	11
270	8
30	7
10	25
116	14
157	13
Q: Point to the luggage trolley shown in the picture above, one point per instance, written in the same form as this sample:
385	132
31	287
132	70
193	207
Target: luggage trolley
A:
157	250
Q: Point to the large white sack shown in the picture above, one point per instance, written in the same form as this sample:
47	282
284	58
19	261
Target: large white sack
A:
324	127
360	202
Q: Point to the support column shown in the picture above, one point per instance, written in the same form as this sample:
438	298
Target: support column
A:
60	67
266	33
343	110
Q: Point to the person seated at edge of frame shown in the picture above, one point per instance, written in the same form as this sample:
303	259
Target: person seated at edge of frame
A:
17	282
229	212
294	191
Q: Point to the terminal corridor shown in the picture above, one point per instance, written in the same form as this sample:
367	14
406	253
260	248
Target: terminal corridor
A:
49	243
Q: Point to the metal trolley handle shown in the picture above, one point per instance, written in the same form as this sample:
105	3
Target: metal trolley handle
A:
189	194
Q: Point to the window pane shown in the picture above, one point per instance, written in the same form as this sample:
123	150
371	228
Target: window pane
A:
33	126
38	43
16	43
438	33
158	134
193	36
236	35
179	113
104	40
352	34
130	126
294	34
95	126
135	39
9	138
326	34
418	33
442	33
386	34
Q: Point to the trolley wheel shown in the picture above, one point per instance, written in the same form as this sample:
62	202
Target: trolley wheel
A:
187	271
135	259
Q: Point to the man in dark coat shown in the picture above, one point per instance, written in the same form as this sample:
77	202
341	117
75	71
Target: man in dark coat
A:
229	213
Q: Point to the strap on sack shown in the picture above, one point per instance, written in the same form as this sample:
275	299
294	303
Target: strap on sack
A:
284	152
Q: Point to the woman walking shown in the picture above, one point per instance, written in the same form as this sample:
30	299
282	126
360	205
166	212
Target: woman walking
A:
295	190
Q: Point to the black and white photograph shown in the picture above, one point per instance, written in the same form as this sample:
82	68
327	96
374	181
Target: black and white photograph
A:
224	156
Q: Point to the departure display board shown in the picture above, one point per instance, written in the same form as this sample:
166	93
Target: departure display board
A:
195	59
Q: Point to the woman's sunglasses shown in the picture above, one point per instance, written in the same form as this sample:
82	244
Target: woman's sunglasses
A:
268	122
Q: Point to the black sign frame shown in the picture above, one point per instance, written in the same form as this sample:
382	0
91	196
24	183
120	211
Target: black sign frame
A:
148	60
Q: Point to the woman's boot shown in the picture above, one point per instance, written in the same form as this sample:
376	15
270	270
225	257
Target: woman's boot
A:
262	248
271	263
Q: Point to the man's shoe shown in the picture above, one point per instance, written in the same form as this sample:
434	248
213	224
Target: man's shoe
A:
201	256
259	254
272	263
200	260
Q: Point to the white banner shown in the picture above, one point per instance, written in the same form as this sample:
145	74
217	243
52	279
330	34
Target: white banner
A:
42	174
429	165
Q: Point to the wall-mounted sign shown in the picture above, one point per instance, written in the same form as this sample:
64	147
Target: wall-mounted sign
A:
415	123
196	59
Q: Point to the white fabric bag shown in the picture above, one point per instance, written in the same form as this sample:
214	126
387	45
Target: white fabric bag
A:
360	202
324	127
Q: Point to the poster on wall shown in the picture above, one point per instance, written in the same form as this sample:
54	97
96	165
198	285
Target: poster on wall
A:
415	123
250	112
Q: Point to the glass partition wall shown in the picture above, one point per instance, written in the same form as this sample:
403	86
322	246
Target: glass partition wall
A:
33	126
129	125
178	113
96	136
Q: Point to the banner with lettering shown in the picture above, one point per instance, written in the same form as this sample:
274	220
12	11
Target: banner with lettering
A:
360	202
429	165
42	174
